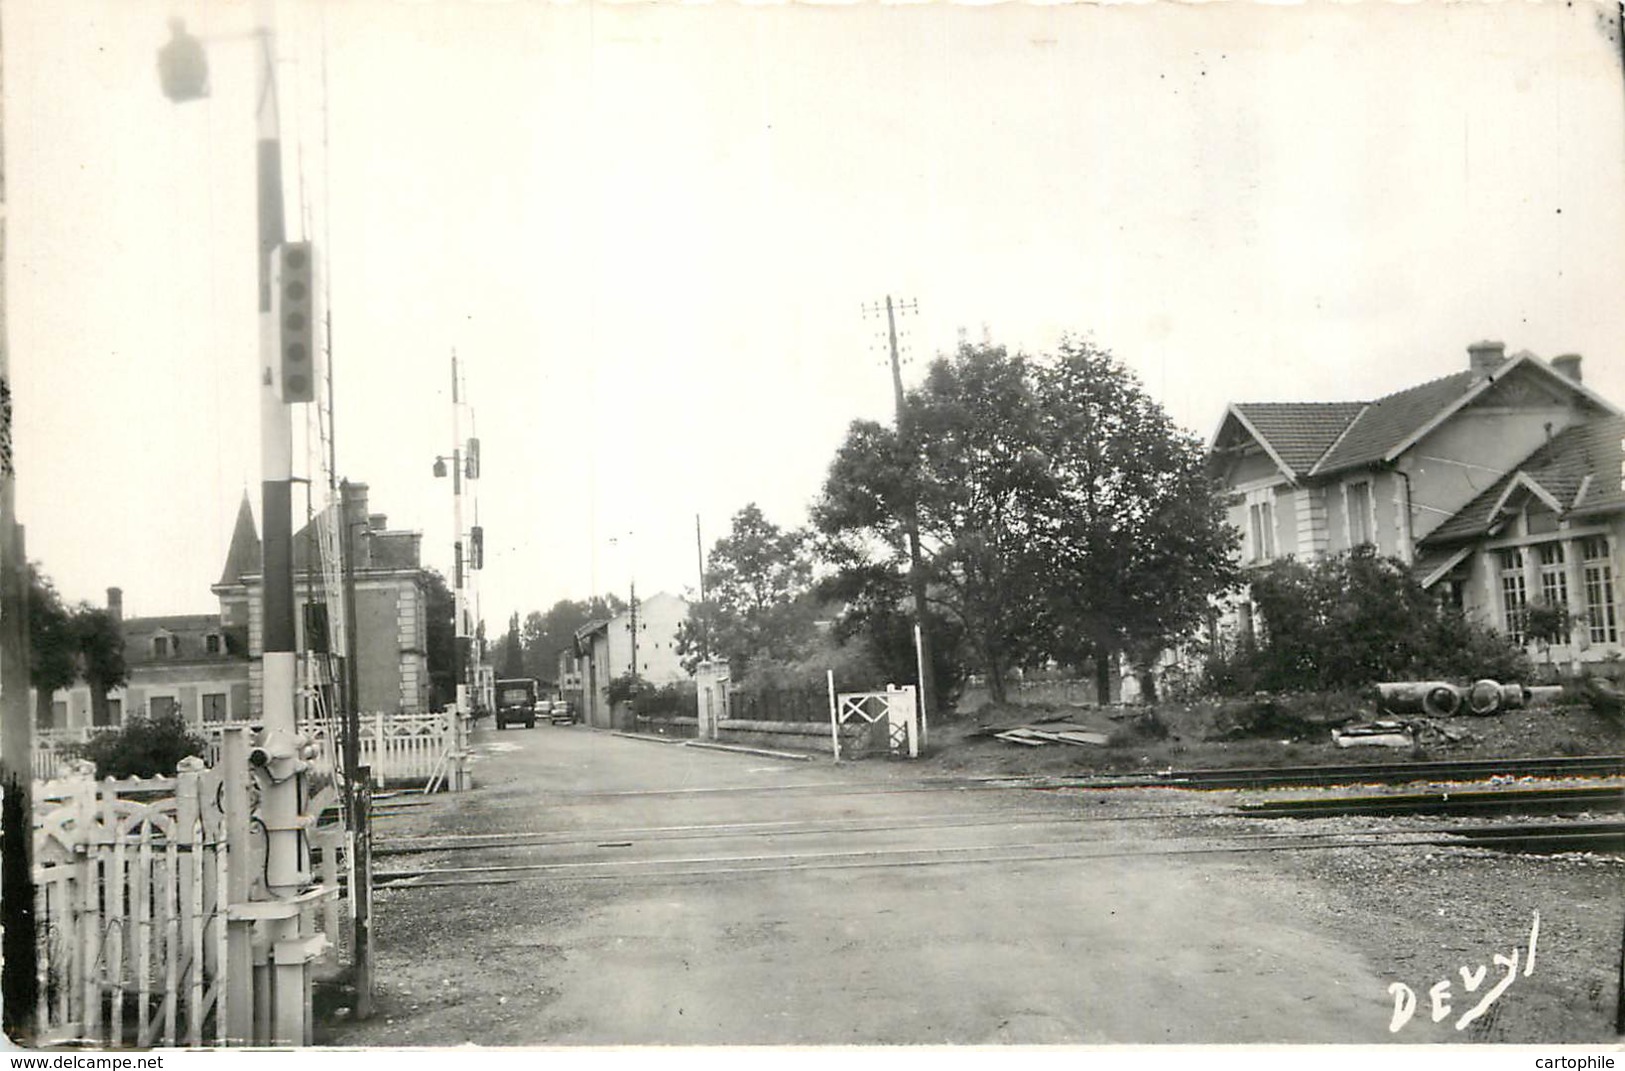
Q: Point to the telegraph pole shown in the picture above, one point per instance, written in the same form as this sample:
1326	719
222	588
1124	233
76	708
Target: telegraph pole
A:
705	626
633	606
18	963
911	517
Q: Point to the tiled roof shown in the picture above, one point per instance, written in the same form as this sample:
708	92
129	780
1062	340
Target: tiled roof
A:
1559	467
1389	421
1299	432
186	631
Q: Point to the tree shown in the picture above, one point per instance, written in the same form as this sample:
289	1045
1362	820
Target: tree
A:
100	642
975	470
440	643
512	659
544	635
1132	533
758	600
877	613
53	649
1062	514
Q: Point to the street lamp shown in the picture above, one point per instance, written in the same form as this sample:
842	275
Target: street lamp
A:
183	74
183	67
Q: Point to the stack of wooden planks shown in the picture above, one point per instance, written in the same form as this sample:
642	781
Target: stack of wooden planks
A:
1052	733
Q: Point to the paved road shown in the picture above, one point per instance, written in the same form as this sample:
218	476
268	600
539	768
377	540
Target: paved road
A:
595	889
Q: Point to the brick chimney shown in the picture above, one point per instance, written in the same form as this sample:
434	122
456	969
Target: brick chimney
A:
377	521
115	604
1568	365
1485	357
355	503
355	514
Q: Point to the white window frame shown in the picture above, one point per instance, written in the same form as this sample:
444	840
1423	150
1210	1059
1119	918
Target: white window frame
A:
1369	514
1597	588
1512	579
1261	522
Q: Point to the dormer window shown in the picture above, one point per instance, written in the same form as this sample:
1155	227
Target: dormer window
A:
211	643
160	647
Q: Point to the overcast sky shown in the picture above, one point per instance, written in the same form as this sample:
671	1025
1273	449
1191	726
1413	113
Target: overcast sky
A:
649	231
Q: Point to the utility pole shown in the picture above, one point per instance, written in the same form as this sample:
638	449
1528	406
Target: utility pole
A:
358	782
633	606
911	516
18	963
705	623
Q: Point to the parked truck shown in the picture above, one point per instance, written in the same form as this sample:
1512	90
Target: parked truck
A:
517	700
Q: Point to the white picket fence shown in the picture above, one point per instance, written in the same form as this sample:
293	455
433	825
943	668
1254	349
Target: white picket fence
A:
50	759
135	920
400	748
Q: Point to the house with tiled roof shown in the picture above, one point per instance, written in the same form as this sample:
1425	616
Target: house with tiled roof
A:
1549	531
1414	474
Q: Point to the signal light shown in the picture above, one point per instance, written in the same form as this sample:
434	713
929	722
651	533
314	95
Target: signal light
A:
471	466
476	548
294	309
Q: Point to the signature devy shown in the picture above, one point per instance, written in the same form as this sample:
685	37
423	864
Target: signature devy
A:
1441	995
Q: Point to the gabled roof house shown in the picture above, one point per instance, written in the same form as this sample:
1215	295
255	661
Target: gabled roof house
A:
1498	483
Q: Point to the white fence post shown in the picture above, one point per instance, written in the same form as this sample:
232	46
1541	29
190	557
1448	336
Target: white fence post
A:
834	717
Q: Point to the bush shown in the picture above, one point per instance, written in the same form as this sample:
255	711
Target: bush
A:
142	747
1352	620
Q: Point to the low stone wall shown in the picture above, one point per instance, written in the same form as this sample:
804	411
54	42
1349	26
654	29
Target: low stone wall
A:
786	735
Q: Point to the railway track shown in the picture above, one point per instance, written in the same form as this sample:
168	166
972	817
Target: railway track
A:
1359	773
1470	802
1538	837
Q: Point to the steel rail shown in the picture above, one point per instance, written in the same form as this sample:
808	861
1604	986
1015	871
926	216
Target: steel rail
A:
1553	836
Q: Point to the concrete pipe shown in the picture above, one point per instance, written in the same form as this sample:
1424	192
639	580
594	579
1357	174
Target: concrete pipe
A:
1488	697
1437	699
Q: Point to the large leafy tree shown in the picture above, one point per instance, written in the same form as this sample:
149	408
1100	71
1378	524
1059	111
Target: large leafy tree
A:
1132	533
974	470
758	600
53	655
1062	514
100	641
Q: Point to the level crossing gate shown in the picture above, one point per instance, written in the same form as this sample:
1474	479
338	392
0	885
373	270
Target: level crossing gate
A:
894	712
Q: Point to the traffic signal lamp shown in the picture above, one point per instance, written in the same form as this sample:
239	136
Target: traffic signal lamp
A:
294	308
476	548
471	467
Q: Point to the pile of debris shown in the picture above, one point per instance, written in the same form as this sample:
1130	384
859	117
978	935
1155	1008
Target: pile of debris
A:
1044	733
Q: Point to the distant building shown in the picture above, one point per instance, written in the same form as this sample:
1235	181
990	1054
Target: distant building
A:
187	664
603	651
206	667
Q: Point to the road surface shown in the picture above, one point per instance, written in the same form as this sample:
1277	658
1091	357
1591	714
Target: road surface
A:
598	890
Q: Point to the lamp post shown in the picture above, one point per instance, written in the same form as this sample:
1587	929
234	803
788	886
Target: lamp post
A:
284	970
462	633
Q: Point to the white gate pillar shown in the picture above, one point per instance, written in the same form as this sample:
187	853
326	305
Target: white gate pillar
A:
711	692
